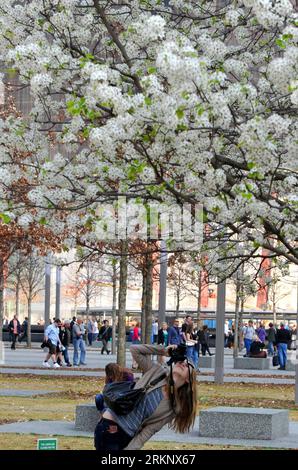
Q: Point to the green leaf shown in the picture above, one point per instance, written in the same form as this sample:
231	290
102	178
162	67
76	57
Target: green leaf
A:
43	221
251	165
280	43
5	218
148	101
180	113
151	70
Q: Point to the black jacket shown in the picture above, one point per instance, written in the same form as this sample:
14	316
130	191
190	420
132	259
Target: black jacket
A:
10	327
256	347
65	337
283	336
160	337
105	333
203	337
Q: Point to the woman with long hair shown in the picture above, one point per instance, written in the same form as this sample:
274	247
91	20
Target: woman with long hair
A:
114	373
171	399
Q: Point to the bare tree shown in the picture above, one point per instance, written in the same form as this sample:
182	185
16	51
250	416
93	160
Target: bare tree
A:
31	281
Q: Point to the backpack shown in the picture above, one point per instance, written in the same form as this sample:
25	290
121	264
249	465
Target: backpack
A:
123	397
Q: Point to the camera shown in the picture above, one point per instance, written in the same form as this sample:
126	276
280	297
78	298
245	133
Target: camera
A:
178	354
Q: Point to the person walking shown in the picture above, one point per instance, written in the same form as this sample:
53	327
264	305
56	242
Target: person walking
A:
187	321
78	332
191	342
271	338
170	399
24	330
105	335
96	330
283	337
65	341
261	332
90	331
175	333
203	336
163	335
155	331
52	341
14	329
74	319
136	339
248	333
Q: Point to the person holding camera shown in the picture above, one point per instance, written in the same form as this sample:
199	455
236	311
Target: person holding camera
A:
169	398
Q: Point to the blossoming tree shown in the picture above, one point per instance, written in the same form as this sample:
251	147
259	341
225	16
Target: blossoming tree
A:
173	100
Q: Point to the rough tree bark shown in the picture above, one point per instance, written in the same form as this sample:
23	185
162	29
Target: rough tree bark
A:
114	307
143	312
121	350
149	295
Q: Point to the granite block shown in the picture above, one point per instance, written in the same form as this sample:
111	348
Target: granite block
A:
257	363
244	423
87	417
207	362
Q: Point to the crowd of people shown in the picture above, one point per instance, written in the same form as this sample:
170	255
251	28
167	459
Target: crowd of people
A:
260	341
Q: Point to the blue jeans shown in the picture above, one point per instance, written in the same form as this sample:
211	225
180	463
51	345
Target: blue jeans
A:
90	338
282	354
65	355
78	343
247	343
192	354
270	348
109	436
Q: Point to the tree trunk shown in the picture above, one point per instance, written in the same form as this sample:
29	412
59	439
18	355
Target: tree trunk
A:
1	297
18	297
29	322
177	302
274	305
121	350
199	321
87	298
143	312
114	307
237	308
149	295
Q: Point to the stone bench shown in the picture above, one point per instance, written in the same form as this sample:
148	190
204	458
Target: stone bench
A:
258	363
87	417
244	423
207	362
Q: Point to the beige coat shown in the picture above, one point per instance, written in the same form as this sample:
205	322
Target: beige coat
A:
163	414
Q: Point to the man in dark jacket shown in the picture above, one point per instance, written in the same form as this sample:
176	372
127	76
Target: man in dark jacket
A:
175	333
203	338
14	329
283	337
105	335
65	337
271	338
24	329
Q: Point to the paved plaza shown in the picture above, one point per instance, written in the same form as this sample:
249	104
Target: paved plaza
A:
29	361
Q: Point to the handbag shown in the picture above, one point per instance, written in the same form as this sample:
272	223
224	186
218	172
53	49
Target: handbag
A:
275	360
123	397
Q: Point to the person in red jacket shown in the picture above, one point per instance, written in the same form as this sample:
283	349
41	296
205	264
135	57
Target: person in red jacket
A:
136	339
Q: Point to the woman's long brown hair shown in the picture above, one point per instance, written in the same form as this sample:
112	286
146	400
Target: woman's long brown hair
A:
115	373
185	404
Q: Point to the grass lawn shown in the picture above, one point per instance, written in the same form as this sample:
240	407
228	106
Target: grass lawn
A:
71	391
